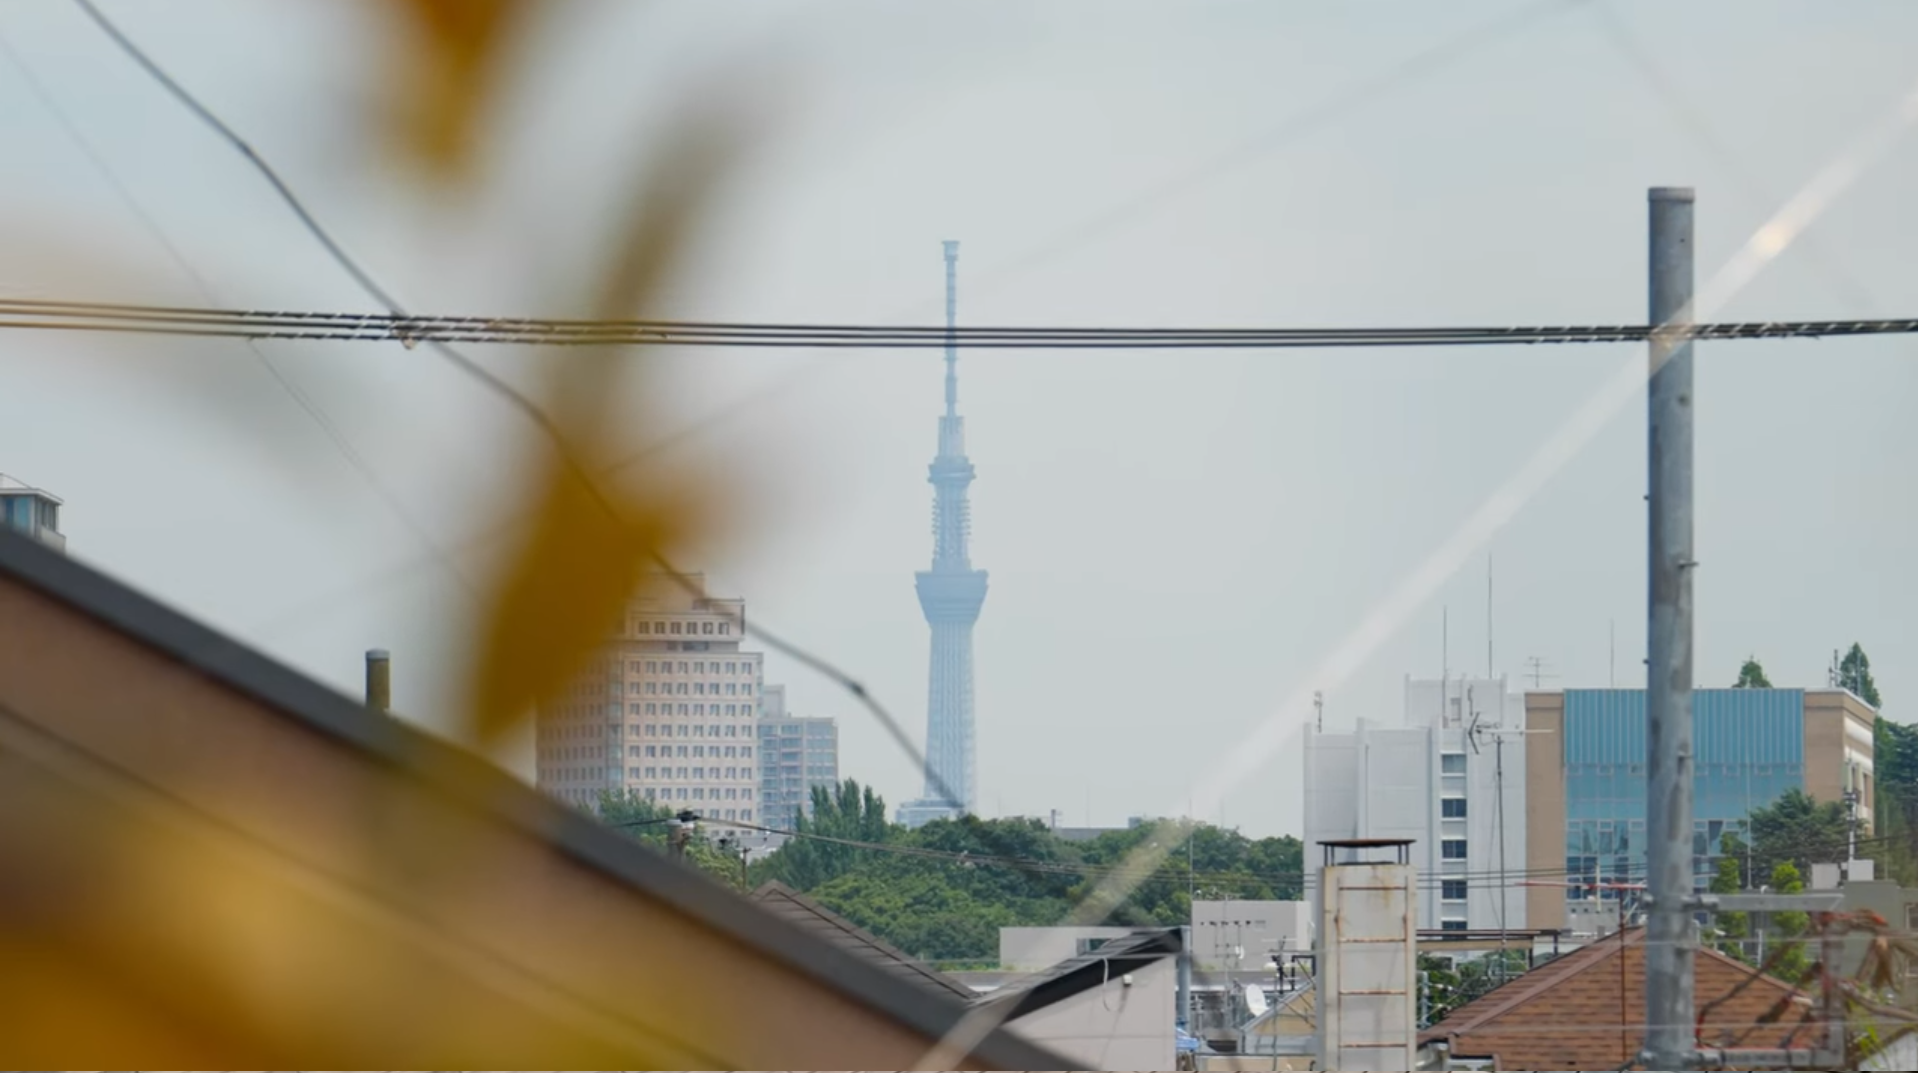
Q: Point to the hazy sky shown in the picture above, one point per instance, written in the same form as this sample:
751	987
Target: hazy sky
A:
1177	541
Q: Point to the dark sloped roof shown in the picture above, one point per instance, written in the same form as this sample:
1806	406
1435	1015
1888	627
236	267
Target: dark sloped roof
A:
797	909
1116	957
469	783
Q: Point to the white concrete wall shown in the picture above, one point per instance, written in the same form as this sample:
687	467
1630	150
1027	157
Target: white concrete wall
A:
1219	928
1114	1026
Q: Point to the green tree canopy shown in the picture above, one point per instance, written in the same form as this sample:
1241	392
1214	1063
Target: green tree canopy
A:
1854	673
943	891
819	852
1752	676
646	821
1788	959
1797	830
1732	927
1895	798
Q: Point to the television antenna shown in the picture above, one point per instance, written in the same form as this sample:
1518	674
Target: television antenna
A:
1255	999
1475	732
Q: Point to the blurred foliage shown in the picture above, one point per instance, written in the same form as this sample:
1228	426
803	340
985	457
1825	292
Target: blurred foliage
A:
440	86
564	593
146	937
914	893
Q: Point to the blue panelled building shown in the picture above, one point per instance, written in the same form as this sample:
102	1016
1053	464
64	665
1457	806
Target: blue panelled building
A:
1586	772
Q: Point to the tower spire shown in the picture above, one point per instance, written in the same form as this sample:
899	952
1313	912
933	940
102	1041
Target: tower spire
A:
952	322
950	594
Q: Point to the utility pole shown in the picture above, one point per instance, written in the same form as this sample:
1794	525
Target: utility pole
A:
679	831
379	680
1670	1038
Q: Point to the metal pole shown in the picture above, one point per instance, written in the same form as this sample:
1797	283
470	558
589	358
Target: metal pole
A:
1837	1031
1670	1040
379	680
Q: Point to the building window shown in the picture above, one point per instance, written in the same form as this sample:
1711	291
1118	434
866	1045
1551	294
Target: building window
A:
676	630
1452	925
1452	808
705	627
1452	763
1453	890
1452	849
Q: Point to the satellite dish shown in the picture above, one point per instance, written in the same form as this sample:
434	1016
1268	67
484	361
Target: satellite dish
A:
1255	999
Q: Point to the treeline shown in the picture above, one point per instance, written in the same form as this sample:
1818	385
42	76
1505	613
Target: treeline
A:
943	891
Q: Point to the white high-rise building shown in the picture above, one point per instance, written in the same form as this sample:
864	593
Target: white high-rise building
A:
667	711
1449	774
796	755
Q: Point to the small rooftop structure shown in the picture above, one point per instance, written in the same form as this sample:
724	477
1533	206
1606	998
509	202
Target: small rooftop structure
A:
1339	851
32	512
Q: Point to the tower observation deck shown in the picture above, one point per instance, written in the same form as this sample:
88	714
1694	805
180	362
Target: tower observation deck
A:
950	595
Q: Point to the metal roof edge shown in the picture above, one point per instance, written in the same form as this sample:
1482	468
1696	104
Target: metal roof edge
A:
487	789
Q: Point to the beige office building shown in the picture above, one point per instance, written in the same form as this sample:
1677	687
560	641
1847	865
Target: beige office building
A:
666	712
1585	776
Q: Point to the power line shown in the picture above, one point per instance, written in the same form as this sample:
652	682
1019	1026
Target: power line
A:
473	370
294	391
438	330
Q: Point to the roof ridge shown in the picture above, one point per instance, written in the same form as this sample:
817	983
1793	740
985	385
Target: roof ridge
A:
1537	980
773	887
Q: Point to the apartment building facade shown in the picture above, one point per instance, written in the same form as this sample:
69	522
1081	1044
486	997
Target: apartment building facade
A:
667	711
1448	775
795	755
1586	777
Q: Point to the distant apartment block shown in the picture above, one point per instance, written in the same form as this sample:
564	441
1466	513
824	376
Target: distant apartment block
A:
667	711
32	512
1585	761
795	755
1450	775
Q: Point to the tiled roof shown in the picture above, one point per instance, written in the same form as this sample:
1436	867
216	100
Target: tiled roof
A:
1586	1010
797	909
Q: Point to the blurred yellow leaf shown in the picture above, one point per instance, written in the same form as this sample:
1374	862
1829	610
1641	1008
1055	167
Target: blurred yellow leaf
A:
564	594
442	88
